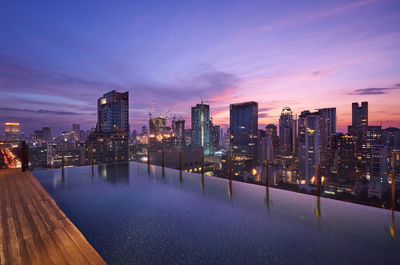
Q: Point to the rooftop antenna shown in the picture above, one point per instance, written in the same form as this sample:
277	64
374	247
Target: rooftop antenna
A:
201	99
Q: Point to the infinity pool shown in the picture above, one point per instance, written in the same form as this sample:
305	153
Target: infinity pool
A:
132	216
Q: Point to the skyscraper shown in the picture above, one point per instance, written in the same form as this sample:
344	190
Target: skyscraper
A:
113	112
243	135
217	135
360	114
271	131
287	133
330	121
201	127
310	149
110	141
179	130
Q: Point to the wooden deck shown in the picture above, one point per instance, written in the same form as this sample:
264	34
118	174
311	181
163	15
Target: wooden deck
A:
33	229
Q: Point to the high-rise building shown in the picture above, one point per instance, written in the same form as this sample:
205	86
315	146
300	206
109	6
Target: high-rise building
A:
311	148
360	114
347	157
179	131
42	135
76	127
46	133
271	131
110	141
287	133
113	112
379	163
330	120
217	135
201	127
243	136
12	131
391	138
145	131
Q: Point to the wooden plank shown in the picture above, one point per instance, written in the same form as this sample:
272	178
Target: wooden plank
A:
18	218
11	241
38	229
84	246
33	229
70	250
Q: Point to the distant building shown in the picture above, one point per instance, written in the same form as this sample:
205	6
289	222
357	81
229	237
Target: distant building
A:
243	136
201	127
391	137
271	131
347	157
76	127
42	135
145	130
266	148
160	133
110	141
287	133
73	155
311	128
379	163
217	135
359	114
113	112
179	132
12	131
188	137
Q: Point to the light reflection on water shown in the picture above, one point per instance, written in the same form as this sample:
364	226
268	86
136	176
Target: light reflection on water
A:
132	215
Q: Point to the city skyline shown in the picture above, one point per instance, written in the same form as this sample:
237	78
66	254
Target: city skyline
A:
307	56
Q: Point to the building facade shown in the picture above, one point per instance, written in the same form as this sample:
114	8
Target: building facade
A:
243	136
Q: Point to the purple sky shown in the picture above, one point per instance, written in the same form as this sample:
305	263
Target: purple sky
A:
57	59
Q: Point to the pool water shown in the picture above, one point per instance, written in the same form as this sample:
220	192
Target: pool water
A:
134	216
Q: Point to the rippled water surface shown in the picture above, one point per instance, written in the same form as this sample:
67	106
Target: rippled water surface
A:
132	216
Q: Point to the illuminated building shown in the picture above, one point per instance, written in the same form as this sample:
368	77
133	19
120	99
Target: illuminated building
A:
347	159
42	135
359	114
201	128
110	141
311	127
379	163
160	133
113	112
243	136
391	137
12	131
287	133
73	155
217	135
330	121
179	131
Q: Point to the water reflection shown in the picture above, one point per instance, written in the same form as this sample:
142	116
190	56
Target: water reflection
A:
114	173
267	196
392	227
230	192
318	210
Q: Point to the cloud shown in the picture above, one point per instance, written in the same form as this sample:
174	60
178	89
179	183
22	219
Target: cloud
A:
41	111
373	91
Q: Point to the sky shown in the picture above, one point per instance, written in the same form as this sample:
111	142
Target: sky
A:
57	59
